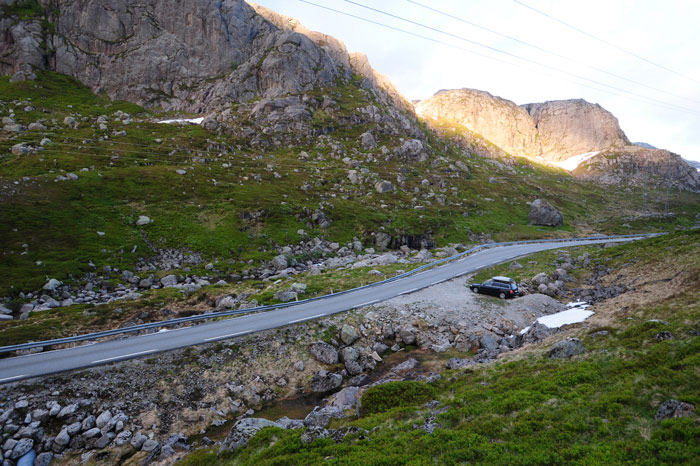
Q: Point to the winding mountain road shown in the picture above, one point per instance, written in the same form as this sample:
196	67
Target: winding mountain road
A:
38	364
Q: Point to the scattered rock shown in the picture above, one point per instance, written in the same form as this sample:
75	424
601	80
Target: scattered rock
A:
348	334
143	220
566	348
674	408
383	186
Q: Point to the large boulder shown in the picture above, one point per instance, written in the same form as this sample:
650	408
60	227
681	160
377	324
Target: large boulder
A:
544	213
674	408
324	381
566	348
323	352
244	430
348	334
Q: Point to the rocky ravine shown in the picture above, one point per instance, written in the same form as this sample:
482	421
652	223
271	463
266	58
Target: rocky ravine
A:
555	131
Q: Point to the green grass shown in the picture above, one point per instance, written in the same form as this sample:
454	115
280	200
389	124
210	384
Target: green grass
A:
597	408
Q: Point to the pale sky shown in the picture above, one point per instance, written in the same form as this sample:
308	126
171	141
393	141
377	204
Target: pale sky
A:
664	32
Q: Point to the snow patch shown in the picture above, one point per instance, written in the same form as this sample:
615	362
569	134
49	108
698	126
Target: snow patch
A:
195	121
577	313
572	163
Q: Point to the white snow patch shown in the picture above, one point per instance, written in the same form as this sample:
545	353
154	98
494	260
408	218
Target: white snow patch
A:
196	121
577	313
571	163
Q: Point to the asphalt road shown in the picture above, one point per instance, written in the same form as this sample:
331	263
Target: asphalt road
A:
23	367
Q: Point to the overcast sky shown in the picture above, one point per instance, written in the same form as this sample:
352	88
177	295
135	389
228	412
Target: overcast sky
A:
663	32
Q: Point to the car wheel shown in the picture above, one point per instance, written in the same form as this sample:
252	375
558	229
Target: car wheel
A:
502	296
475	290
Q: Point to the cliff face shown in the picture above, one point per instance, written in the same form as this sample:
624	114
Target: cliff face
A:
571	127
498	120
553	130
197	56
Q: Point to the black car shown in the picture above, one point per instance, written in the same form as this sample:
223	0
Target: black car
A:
503	287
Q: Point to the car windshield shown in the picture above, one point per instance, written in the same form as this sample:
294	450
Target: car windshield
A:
488	282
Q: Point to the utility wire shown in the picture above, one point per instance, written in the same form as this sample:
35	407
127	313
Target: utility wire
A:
550	52
610	44
666	104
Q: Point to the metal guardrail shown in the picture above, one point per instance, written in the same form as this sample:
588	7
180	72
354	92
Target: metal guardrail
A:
215	315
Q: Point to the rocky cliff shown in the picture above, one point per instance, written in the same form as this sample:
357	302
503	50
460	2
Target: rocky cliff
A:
551	132
570	127
497	120
195	56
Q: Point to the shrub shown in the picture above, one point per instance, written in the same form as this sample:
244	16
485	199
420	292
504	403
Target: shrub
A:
395	394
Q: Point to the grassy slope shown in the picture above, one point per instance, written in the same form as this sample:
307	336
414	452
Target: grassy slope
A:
49	228
597	408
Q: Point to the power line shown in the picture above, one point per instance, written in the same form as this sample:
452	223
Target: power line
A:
666	105
555	54
605	42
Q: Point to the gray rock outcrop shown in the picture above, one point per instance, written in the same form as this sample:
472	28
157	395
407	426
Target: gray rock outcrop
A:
324	381
566	348
244	430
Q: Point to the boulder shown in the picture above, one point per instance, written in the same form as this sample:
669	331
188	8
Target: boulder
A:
138	440
21	448
348	334
285	296
458	363
168	280
383	186
367	140
244	430
543	213
321	417
143	220
323	352
349	354
566	348
62	438
408	336
44	459
52	284
382	240
674	408
324	381
279	262
103	419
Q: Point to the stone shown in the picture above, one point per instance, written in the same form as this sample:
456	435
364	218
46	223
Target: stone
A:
103	419
180	171
69	121
321	417
43	459
488	342
349	354
74	428
566	348
312	434
324	381
515	266
244	430
90	433
458	363
288	424
543	213
279	262
674	408
299	366
407	336
367	140
226	302
285	296
138	440
20	149
143	220
106	439
52	285
62	438
407	365
540	278
323	352
345	398
380	348
383	186
21	448
382	240
412	149
168	281
150	445
348	334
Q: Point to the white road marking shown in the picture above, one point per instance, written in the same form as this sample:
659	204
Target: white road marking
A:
306	318
366	304
124	356
410	291
221	337
13	377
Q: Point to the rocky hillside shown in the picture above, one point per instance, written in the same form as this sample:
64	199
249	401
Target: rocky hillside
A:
552	132
224	52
